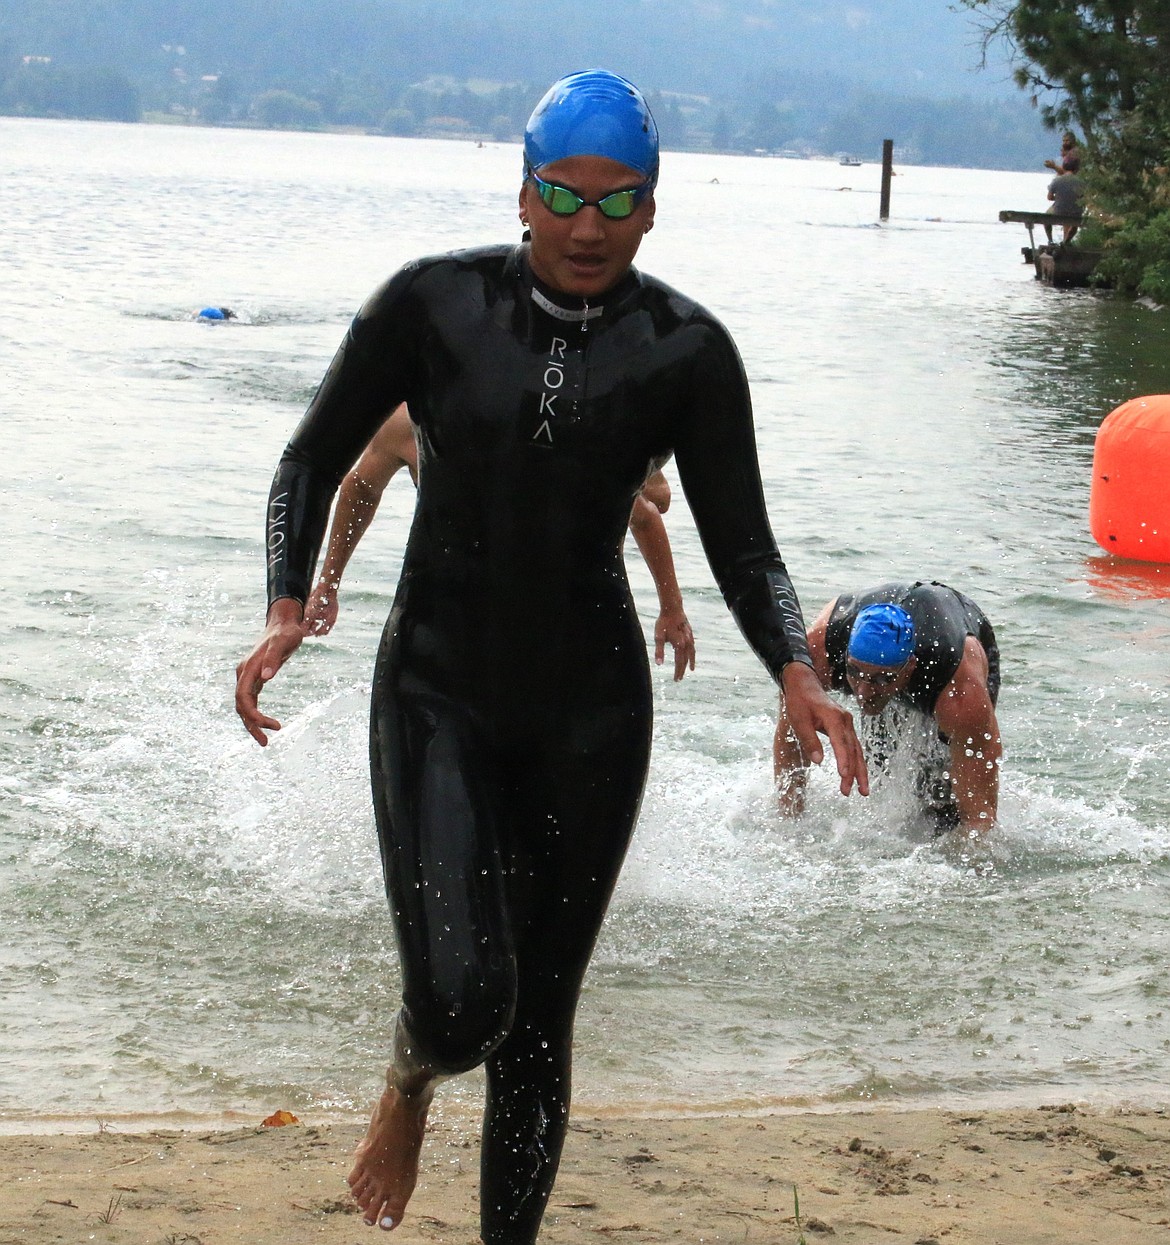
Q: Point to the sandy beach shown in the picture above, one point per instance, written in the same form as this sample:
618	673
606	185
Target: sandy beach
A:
1054	1175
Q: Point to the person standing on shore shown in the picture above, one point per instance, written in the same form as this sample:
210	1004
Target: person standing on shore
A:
511	714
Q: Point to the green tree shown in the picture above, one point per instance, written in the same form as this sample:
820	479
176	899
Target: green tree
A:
503	128
672	126
221	101
282	110
722	132
401	122
48	90
1084	62
1103	65
770	127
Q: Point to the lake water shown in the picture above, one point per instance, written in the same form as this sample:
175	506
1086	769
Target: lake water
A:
194	925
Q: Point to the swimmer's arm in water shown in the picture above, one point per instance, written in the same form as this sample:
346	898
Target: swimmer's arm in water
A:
965	714
811	714
392	448
789	762
282	637
672	625
715	451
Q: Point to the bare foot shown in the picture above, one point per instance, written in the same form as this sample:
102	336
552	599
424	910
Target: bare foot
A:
385	1165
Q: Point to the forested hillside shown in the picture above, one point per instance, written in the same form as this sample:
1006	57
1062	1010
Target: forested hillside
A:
743	75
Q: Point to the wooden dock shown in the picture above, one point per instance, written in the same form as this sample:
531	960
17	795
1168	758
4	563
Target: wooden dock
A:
1056	263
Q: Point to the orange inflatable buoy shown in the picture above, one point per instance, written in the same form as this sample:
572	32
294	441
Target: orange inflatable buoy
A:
1129	500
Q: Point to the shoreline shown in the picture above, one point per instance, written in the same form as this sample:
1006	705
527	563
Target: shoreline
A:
1151	1097
1055	1174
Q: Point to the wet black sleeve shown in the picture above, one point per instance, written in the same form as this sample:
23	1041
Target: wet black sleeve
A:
716	456
369	376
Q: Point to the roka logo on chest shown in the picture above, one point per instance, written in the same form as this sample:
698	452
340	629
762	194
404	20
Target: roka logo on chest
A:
554	379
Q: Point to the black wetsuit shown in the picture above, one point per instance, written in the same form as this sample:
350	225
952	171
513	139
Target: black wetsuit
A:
511	714
943	619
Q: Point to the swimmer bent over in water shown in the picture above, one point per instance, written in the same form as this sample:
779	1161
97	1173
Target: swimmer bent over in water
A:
933	650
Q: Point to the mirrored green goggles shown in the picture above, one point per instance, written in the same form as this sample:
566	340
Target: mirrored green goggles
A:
563	202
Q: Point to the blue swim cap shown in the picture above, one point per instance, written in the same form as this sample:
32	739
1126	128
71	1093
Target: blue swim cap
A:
592	113
212	313
882	635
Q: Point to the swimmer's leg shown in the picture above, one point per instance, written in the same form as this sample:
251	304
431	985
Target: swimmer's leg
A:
436	826
385	1165
525	1121
578	815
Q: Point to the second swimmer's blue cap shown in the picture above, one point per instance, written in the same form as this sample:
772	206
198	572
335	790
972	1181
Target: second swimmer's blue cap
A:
882	635
593	113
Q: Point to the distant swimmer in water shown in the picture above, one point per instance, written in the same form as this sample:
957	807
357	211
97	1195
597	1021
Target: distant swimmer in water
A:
929	649
512	703
216	313
394	447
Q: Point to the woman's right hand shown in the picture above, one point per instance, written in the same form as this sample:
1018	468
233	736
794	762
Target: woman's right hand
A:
282	637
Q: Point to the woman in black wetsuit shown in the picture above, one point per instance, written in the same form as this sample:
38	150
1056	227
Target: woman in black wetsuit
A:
511	716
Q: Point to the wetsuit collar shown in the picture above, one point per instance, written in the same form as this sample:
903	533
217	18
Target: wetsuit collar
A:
575	314
569	308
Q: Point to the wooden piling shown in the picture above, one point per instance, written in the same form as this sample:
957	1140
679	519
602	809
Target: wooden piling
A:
887	174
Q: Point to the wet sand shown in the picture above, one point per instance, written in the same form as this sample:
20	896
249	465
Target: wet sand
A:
1055	1175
